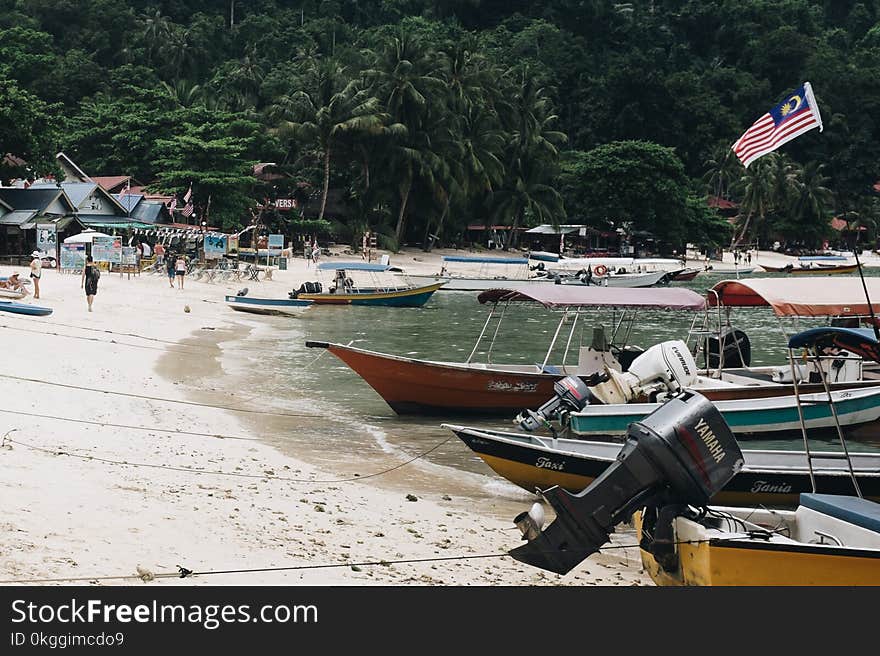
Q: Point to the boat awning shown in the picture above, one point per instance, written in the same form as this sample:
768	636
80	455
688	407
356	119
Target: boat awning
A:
486	260
352	266
566	296
823	296
550	230
861	341
823	258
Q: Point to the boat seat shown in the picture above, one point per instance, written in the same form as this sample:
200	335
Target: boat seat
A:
854	510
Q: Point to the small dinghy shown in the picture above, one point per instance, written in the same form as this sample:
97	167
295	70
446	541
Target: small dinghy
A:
267	305
24	308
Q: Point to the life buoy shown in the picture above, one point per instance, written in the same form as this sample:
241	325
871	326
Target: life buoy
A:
600	270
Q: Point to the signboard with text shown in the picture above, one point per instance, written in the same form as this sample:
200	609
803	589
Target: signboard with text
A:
285	203
276	243
46	238
129	255
107	249
215	246
73	256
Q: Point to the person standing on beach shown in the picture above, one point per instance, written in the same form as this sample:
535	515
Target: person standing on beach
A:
36	271
170	268
90	277
180	267
159	250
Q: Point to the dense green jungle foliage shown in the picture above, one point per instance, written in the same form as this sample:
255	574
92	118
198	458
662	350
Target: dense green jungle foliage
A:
415	118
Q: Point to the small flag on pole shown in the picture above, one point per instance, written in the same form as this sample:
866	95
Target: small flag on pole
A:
795	115
187	198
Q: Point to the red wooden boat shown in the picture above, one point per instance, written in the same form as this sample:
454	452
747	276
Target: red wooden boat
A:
411	385
685	275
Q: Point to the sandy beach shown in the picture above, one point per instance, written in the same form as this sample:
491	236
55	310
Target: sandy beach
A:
109	415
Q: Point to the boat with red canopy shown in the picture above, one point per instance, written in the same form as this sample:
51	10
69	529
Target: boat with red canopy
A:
410	385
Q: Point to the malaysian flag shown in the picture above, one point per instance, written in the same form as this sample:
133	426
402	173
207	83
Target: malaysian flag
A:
187	199
789	119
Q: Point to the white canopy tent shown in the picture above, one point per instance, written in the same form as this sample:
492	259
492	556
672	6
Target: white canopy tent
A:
85	237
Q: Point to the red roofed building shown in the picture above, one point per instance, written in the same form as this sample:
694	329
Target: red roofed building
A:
722	203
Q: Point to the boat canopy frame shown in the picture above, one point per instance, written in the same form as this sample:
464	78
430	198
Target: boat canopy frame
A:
791	299
350	285
814	342
573	301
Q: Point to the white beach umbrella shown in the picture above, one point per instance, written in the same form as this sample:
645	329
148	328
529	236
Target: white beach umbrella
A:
85	237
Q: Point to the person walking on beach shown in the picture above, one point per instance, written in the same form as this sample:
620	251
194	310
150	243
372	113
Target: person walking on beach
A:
36	271
90	276
316	251
170	268
180	267
159	250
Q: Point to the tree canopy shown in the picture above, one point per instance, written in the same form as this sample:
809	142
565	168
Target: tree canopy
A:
416	118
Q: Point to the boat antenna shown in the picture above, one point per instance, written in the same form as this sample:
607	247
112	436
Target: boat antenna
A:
864	284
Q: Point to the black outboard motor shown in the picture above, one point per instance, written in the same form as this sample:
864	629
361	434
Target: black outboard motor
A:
683	452
572	394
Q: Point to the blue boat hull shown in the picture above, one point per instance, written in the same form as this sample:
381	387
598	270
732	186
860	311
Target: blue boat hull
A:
24	308
267	305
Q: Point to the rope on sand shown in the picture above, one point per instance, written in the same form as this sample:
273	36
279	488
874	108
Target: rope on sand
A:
173	431
157	398
183	572
190	470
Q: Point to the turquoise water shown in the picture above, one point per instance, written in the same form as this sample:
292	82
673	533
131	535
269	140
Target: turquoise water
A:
352	420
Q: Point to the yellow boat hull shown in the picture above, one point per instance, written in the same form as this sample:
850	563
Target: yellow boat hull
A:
758	563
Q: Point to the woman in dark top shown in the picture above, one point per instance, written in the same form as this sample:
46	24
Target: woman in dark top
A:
90	276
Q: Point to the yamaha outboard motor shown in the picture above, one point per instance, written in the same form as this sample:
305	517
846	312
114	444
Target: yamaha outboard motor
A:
683	452
572	395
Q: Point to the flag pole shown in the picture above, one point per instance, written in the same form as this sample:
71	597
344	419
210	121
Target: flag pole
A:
864	284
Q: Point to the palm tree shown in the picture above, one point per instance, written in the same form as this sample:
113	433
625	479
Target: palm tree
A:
333	108
157	28
531	157
758	187
722	169
405	76
526	194
812	199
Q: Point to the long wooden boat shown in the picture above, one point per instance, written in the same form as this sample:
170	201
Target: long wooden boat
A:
818	270
343	290
491	273
269	306
410	385
412	297
777	417
686	275
769	477
24	308
828	540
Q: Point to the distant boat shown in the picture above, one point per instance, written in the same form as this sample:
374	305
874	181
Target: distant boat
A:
288	306
686	275
492	272
345	291
816	265
24	308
